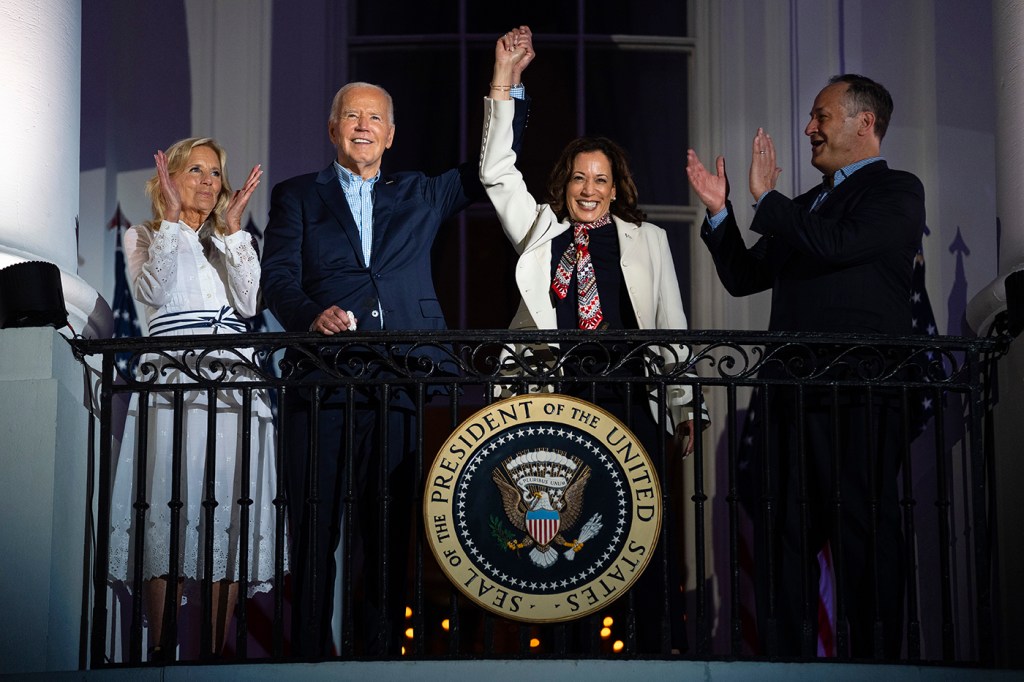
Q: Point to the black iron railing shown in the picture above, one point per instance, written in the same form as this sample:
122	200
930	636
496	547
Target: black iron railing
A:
941	387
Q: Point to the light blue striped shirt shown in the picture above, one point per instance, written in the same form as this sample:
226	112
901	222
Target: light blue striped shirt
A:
359	195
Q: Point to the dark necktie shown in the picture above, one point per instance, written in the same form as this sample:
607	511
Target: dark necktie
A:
827	184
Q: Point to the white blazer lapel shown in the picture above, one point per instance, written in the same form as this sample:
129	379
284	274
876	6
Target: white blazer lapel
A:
533	274
635	273
629	240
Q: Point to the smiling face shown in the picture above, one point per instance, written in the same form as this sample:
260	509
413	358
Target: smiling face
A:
838	137
591	187
198	183
361	129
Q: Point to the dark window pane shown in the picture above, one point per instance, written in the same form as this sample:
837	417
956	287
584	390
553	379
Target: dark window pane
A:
438	106
385	18
639	17
553	110
488	296
424	84
542	16
651	123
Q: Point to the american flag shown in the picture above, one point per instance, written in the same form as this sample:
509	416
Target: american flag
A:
126	320
922	322
922	319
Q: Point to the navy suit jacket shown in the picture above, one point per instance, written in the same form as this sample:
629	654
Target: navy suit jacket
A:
846	267
313	258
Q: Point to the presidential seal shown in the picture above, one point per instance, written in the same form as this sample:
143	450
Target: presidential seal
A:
542	508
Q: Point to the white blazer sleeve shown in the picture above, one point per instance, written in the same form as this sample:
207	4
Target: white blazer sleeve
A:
516	208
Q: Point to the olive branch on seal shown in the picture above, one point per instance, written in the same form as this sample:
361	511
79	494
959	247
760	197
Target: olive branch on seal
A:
501	533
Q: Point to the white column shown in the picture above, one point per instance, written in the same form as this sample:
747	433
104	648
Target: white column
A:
1008	42
1007	34
42	502
40	58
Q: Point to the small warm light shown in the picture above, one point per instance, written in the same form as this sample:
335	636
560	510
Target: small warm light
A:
608	621
445	625
618	646
408	633
403	651
534	643
606	633
408	612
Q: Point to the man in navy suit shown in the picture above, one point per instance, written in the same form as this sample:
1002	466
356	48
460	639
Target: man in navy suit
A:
344	248
837	259
347	248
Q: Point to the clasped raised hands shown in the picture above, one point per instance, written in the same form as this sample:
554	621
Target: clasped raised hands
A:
513	52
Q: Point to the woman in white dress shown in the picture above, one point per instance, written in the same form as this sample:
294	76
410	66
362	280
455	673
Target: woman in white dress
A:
196	272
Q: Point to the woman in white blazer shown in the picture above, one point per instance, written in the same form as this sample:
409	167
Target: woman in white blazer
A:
591	216
590	182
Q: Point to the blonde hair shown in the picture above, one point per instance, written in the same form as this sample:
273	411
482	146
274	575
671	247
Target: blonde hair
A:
177	157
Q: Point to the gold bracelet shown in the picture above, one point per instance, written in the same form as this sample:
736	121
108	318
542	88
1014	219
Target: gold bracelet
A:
500	87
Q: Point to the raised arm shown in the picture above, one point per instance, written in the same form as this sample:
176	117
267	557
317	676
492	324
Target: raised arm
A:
152	255
504	184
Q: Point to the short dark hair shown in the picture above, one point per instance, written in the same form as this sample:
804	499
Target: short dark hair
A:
625	204
864	94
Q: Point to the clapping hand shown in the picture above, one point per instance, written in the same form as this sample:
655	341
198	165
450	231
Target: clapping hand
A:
240	199
168	189
763	171
712	190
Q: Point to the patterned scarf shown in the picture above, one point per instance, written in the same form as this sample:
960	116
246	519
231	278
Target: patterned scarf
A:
588	301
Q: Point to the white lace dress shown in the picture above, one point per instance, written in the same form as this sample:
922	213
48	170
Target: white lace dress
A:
189	283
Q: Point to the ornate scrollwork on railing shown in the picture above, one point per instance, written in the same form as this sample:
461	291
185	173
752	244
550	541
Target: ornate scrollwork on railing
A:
661	369
204	367
725	360
544	358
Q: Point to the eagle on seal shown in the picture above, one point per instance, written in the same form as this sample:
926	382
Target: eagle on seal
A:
543	513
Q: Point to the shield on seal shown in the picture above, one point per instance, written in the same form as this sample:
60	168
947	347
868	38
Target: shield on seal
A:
542	525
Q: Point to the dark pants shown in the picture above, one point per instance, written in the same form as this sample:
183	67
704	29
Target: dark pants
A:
846	497
381	489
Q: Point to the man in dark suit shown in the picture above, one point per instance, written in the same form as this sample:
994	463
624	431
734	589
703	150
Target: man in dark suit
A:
350	246
837	259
